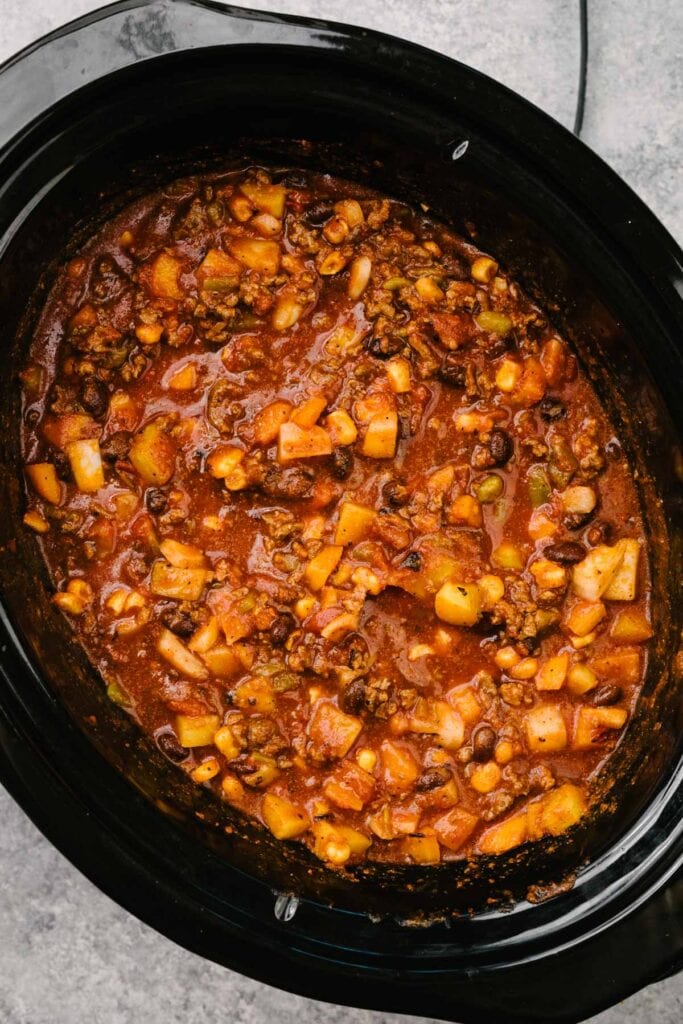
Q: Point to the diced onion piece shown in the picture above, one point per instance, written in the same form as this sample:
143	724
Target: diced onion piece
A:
296	443
183	556
177	655
592	576
624	582
46	483
178	584
86	464
359	276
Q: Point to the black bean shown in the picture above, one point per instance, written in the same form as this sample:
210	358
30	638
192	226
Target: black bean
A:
318	213
567	552
61	463
116	446
178	622
501	446
355	652
94	396
168	744
280	628
483	743
452	371
342	462
395	493
599	533
353	697
384	346
577	520
412	561
155	500
606	695
433	778
551	408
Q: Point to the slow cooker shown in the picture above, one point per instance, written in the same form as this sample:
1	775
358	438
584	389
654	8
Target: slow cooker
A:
137	94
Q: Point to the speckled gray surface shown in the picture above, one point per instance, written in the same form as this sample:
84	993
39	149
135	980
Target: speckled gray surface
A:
69	955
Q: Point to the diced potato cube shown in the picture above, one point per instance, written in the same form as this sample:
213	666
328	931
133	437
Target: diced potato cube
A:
458	603
508	375
322	565
217	264
623	665
149	334
438	718
266	772
562	808
548	575
226	742
72	426
283	818
341	428
86	464
177	655
553	672
153	454
183	556
332	732
507	556
267	422
204	638
256	694
309	412
584	616
631	626
223	661
381	436
337	843
354	523
164	277
545	729
296	443
179	584
206	770
196	730
286	312
624	583
455	827
491	589
257	254
592	576
422	849
592	726
398	372
398	767
581	679
579	499
531	386
505	835
45	481
270	198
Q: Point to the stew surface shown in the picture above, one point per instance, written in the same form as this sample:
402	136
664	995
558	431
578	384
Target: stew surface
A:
338	517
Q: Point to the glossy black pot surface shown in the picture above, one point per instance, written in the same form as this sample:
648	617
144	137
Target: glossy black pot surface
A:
135	95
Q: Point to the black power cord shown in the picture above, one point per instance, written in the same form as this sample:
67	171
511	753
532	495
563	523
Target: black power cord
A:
583	67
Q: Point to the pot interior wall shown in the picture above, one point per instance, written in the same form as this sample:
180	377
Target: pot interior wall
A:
119	139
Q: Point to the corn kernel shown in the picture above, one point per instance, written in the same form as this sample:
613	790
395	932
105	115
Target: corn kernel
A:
508	375
504	752
366	759
506	658
484	269
206	770
485	777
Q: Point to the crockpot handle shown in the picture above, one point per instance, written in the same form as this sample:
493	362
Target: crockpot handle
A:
121	35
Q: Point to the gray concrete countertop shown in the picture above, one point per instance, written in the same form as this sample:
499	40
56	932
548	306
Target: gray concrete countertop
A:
68	954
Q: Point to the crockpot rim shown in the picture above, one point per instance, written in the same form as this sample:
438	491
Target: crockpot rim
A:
351	33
